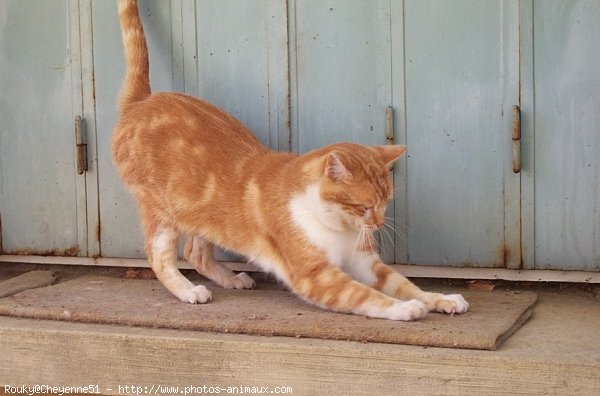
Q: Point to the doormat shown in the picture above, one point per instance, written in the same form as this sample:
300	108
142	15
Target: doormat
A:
492	318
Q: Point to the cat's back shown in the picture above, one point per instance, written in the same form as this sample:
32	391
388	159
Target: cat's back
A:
176	115
176	129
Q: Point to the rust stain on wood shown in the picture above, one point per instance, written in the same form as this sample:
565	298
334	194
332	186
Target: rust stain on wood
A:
98	232
503	254
68	252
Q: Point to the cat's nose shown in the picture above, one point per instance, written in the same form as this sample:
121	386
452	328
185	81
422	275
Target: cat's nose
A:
379	223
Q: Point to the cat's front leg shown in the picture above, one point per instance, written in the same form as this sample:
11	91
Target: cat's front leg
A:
373	272
395	284
327	286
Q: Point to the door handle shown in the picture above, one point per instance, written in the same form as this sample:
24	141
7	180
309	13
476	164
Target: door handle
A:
516	139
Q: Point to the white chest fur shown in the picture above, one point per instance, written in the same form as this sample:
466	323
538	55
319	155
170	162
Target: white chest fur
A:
319	225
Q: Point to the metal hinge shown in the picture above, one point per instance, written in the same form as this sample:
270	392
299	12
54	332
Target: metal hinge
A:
81	145
389	125
389	128
516	139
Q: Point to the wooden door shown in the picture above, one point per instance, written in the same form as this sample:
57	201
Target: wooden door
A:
43	200
561	107
461	206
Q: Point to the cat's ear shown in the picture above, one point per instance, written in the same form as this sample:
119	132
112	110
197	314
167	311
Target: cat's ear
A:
335	169
390	153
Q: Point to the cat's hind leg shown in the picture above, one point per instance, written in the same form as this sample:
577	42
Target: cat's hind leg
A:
199	253
161	247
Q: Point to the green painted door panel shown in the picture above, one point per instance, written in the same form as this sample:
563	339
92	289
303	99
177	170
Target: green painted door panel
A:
566	129
42	204
241	50
460	71
341	75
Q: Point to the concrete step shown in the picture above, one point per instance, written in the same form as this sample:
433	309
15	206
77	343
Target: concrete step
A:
556	352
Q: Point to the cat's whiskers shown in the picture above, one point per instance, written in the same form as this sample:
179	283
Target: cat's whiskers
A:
361	239
356	247
386	237
368	238
396	232
393	227
379	241
395	222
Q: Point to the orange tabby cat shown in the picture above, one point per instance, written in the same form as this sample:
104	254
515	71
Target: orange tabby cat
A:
196	170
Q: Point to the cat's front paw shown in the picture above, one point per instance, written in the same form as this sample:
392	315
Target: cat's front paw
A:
451	304
239	281
407	310
196	295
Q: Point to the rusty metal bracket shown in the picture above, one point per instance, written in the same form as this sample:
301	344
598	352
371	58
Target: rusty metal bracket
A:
516	139
389	125
81	145
389	128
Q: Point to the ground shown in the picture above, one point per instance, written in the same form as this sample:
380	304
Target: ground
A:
556	352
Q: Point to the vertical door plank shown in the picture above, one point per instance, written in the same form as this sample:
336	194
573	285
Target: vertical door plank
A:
341	77
242	64
510	96
86	92
78	101
567	135
399	106
343	73
526	74
121	234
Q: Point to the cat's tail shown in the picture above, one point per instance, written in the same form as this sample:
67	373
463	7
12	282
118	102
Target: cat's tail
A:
137	77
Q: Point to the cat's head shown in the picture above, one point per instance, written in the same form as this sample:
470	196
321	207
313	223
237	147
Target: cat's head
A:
356	186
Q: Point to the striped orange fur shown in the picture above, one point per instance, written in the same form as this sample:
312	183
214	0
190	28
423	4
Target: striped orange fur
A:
195	170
